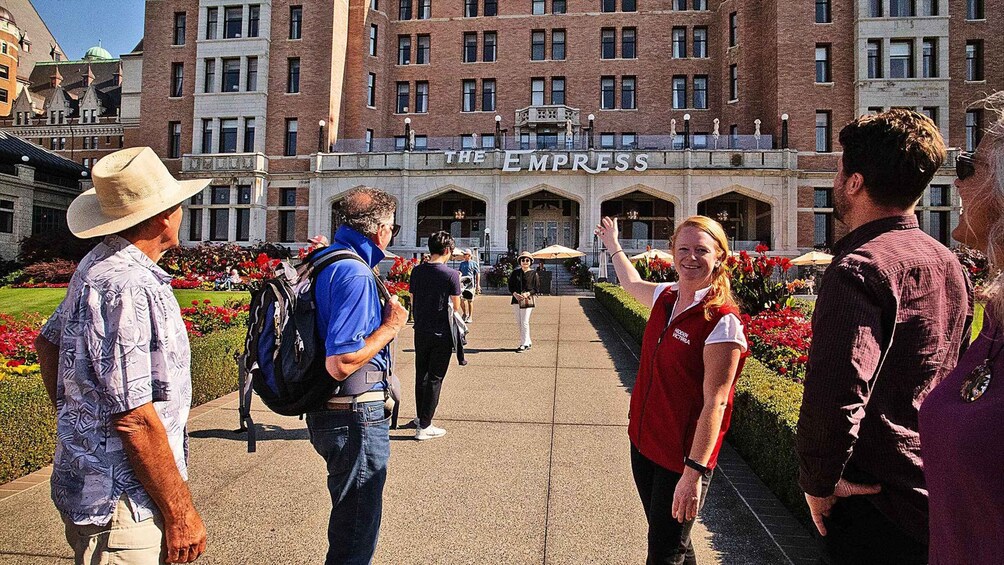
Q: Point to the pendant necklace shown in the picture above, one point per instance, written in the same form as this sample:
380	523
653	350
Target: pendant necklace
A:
979	378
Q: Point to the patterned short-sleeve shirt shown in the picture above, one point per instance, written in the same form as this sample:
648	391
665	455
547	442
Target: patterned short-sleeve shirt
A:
122	344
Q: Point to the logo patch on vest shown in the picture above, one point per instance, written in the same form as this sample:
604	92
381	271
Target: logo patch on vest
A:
681	335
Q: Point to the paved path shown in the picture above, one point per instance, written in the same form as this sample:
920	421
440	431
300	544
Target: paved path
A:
534	469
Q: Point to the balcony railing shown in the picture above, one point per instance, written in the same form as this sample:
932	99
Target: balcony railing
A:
698	141
214	163
556	115
460	242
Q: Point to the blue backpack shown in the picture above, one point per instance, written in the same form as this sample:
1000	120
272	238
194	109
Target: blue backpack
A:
284	356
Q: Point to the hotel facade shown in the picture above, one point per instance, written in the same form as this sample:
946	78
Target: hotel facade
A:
517	124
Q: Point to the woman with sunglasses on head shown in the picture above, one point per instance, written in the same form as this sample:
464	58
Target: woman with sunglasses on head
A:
524	284
962	419
681	403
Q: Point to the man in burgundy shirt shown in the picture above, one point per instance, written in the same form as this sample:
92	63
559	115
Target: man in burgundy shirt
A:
893	312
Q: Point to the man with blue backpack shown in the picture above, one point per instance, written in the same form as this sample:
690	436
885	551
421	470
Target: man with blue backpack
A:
351	430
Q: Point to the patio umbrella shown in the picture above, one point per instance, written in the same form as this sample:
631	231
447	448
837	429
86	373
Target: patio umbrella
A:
556	252
653	254
813	258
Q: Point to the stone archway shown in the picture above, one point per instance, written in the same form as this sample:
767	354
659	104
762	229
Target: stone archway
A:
747	220
463	215
542	218
645	220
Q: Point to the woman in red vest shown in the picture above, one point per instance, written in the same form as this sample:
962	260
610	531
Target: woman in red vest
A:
681	404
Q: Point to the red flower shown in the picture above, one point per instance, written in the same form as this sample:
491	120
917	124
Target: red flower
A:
195	303
207	301
761	248
782	370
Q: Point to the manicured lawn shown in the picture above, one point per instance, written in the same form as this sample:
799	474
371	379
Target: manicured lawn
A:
45	300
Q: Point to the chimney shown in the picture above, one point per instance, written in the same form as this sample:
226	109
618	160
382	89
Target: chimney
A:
56	79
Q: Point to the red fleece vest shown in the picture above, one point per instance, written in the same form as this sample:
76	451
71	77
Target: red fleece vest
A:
668	394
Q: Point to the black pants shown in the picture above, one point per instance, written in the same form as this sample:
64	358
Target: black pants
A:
668	540
432	360
857	533
461	342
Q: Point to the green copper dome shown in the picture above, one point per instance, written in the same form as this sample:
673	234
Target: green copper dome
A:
97	52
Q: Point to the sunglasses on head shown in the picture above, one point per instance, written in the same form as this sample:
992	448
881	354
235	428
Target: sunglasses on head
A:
965	165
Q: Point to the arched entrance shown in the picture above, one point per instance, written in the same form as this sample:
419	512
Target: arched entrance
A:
461	215
541	219
644	220
747	221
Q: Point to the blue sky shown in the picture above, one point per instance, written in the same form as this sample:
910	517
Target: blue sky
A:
79	24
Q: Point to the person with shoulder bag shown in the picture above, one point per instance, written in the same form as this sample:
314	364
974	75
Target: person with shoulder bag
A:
524	284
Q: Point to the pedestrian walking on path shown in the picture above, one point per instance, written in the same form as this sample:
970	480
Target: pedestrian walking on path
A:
352	432
962	420
470	271
524	284
116	363
435	289
681	405
893	311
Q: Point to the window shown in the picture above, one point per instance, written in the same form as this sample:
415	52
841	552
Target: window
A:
679	92
371	90
4	71
48	219
701	92
874	8
558	45
422	97
6	216
210	76
629	6
424	9
296	22
403	97
701	5
628	93
629	37
470	8
404	10
231	75
700	42
290	144
287	226
173	140
902	8
233	22
251	84
369	140
467	141
491	7
558	6
180	23
733	82
207	135
249	127
874	58
558	90
679	4
607	140
538	7
469	98
212	22
87	142
974	60
823	132
974	10
930	69
470	47
974	129
537	92
733	29
490	42
822	229
900	59
823	63
629	141
219	223
177	79
228	135
928	7
608	5
930	112
607	93
679	42
488	139
404	50
287	197
293	75
940	226
537	45
823	12
254	19
608	47
422	55
373	40
941	195
488	95
243	224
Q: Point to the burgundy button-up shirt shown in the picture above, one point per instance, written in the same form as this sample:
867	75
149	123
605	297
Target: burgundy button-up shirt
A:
893	313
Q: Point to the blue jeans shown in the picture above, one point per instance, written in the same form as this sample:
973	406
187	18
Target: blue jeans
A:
356	446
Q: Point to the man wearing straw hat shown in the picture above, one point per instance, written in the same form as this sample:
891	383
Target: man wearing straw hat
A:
115	361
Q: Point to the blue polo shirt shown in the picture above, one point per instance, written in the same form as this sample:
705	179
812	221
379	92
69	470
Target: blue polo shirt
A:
348	301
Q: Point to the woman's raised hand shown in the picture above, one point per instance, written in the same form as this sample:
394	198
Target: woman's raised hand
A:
608	232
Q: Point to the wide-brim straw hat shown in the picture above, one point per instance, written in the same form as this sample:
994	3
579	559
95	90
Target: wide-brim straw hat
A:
525	254
130	186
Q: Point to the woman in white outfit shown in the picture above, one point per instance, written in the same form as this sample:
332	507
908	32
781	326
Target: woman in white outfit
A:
524	284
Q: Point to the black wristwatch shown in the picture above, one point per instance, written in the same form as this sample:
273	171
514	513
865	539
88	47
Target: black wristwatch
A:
704	471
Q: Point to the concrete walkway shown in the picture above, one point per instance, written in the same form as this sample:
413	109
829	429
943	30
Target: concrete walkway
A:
534	469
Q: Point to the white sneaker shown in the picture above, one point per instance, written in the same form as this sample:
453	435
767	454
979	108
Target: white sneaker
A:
470	319
432	432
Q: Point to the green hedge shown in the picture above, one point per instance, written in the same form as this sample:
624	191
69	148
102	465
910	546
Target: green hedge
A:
765	411
27	421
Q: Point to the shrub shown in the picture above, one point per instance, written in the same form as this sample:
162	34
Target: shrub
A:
50	272
625	309
214	371
581	277
54	244
498	275
757	281
203	318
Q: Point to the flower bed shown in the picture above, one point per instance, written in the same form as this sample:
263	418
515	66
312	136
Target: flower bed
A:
207	266
780	339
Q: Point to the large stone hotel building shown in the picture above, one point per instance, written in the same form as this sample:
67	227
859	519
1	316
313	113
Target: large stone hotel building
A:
517	123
